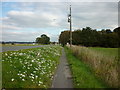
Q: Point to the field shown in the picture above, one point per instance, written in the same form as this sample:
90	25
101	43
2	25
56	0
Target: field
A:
102	61
30	68
106	51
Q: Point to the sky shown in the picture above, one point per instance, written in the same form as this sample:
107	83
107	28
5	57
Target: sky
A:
25	21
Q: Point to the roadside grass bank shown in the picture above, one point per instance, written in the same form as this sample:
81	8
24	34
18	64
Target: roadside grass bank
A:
30	68
83	77
105	66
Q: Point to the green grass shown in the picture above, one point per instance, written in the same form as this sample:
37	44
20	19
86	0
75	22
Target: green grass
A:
105	66
30	68
83	77
106	51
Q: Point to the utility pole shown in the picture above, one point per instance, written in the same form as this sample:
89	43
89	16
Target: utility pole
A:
69	20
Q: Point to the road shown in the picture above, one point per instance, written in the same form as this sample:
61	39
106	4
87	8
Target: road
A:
62	77
15	48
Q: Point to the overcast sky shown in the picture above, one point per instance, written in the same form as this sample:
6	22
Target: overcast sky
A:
24	21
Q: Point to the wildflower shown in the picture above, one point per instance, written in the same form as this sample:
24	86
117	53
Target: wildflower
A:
40	82
23	75
6	54
44	86
20	53
32	60
34	71
36	76
12	79
38	54
28	68
23	79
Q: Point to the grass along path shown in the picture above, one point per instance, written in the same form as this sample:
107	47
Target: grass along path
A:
104	66
30	68
82	75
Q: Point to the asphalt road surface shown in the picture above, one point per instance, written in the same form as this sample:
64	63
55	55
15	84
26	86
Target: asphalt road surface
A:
15	48
62	78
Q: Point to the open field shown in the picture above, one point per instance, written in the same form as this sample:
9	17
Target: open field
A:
103	61
106	51
30	68
83	77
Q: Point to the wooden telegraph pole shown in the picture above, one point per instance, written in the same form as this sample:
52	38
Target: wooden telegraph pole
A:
69	20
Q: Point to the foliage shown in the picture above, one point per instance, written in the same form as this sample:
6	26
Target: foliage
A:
110	52
91	37
64	37
44	39
30	68
105	66
83	77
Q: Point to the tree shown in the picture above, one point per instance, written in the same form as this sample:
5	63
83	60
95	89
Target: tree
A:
117	30
108	31
91	37
76	37
44	39
64	37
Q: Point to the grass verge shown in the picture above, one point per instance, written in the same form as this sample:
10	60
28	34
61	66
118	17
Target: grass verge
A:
104	66
30	68
82	75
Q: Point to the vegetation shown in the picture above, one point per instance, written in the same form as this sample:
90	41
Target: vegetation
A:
109	52
44	39
30	68
90	37
105	67
83	77
64	37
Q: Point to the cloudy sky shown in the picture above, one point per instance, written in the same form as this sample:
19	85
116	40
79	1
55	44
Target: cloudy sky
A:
24	21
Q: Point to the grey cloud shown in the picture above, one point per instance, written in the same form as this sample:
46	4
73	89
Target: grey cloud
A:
97	15
20	36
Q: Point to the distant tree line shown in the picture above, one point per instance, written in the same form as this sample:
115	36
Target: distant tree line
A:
91	37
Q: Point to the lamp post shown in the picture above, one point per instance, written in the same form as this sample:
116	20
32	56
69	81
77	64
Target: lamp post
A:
69	20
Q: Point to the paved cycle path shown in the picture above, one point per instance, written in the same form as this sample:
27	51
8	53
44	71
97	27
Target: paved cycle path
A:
62	78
